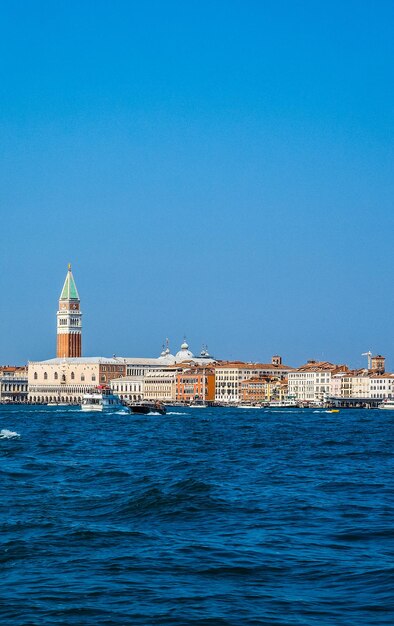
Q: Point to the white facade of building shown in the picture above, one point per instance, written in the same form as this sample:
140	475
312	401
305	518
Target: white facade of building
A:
382	386
160	385
363	385
356	385
13	384
313	382
66	380
228	378
128	388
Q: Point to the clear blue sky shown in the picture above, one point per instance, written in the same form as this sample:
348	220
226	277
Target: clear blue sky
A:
220	169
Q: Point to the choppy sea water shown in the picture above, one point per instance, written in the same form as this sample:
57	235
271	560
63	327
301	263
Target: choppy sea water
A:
209	517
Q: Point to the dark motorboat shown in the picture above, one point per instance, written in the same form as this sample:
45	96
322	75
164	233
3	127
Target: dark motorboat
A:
152	407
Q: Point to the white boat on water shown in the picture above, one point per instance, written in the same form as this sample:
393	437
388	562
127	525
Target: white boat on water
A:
288	402
101	399
282	405
387	404
247	406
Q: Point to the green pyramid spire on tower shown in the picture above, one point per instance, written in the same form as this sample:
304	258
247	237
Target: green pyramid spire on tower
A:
69	291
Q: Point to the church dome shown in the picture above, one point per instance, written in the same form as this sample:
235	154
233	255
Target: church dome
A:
166	356
184	353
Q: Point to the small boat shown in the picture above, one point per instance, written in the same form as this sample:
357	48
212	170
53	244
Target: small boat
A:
334	411
387	404
148	407
198	404
101	399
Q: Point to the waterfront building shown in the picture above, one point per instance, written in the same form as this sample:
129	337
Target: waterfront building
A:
129	388
262	390
229	376
312	381
356	384
254	390
160	385
69	320
382	386
13	383
363	385
66	380
195	382
336	384
139	366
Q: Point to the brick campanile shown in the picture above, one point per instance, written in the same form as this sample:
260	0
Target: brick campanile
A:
69	320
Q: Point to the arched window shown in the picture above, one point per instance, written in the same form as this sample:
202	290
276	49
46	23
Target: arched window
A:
93	377
55	376
103	379
45	376
35	376
82	377
63	378
72	376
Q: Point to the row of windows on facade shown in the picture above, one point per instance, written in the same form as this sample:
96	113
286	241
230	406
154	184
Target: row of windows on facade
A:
241	374
301	389
309	375
73	322
15	387
63	377
381	396
223	384
127	387
103	378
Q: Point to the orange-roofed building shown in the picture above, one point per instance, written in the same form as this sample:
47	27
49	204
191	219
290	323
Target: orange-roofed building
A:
230	375
195	383
311	383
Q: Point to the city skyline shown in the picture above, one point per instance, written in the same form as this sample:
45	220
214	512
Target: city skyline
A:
227	178
69	307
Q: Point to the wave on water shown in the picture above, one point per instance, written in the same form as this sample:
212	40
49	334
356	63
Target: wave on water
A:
172	413
8	434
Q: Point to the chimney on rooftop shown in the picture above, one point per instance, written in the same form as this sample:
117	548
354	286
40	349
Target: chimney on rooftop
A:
276	360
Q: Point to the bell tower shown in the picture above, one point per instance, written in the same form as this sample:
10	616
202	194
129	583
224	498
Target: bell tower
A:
69	320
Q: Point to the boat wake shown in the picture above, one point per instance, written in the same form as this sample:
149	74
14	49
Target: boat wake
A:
8	434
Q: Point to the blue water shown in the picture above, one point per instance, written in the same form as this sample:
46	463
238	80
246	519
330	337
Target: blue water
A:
209	517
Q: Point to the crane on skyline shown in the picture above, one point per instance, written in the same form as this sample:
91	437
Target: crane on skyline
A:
369	355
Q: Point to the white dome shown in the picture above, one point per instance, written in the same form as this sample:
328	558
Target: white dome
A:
184	353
